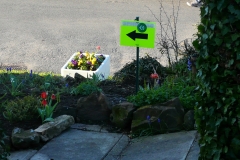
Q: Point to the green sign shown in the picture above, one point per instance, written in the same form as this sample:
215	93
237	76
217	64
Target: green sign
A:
137	33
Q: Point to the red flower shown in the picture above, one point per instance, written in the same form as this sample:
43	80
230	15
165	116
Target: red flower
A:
53	97
44	102
154	76
44	95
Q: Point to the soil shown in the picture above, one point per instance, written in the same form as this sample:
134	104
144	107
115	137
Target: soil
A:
115	92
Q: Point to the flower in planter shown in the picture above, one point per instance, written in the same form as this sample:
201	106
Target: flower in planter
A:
86	61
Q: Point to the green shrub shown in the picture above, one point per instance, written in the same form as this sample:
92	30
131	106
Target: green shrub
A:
218	111
21	109
127	74
171	88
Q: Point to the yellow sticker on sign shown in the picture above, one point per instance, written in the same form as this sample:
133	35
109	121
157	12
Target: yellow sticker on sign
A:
137	33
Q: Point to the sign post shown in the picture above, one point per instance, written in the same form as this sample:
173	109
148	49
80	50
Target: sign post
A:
137	34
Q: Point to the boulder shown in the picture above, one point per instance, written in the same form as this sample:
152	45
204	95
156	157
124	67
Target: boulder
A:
165	117
52	129
79	78
189	120
22	139
122	114
65	110
94	107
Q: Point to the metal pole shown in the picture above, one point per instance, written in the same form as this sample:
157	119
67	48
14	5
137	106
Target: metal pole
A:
137	64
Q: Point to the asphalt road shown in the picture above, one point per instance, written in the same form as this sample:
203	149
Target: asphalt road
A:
43	34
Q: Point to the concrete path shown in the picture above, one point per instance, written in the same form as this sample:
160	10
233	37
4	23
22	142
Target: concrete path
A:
92	142
41	35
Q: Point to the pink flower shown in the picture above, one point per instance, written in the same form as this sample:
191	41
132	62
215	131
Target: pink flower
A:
98	47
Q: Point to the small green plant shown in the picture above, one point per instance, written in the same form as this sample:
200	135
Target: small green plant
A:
16	85
46	111
21	109
171	88
88	87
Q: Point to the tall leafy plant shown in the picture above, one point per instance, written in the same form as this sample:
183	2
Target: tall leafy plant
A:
218	110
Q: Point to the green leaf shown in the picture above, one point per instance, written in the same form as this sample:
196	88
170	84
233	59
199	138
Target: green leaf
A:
225	30
205	36
215	67
212	26
233	121
218	41
231	62
235	37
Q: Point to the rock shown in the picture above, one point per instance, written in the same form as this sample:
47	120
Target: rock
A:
94	107
70	80
189	120
79	78
24	139
65	110
122	114
165	117
52	129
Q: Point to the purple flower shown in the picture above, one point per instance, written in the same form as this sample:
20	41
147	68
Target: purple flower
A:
159	120
67	85
31	73
74	62
148	117
81	55
102	75
89	62
189	65
9	69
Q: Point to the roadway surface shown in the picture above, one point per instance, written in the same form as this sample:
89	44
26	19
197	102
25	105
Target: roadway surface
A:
42	34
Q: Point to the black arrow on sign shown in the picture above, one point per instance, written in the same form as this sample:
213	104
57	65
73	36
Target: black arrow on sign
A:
135	35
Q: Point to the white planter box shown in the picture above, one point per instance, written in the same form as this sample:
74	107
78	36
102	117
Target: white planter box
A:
103	69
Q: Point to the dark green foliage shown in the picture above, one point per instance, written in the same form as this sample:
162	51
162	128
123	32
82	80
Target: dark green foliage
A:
21	109
171	88
127	74
87	87
4	152
218	111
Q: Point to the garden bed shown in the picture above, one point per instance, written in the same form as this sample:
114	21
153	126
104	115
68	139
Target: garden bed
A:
115	93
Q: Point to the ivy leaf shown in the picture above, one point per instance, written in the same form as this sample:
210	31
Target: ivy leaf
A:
205	36
225	149
233	121
231	62
232	10
212	26
218	41
215	67
235	37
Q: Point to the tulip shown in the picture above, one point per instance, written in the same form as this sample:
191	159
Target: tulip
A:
44	95
154	76
44	102
53	97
